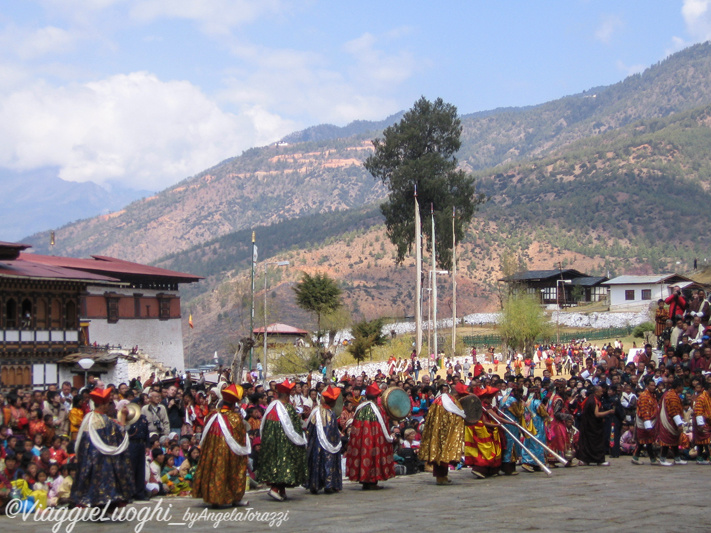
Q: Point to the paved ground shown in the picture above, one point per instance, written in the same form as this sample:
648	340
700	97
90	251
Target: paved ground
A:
617	498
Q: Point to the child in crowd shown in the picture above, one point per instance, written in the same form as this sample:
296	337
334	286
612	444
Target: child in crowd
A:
170	476
38	444
55	480
628	442
57	452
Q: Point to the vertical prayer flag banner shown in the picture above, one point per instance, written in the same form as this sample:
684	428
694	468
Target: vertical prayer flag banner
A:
190	321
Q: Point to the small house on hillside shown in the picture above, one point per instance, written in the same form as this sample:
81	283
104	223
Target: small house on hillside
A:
637	292
282	334
566	287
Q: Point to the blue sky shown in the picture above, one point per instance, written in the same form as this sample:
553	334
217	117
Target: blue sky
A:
148	92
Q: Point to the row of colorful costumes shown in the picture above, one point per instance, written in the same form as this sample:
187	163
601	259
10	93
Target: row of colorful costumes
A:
504	435
290	456
661	422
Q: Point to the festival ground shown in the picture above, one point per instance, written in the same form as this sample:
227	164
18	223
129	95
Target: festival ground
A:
573	499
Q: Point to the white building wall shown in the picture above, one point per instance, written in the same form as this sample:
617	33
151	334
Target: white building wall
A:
618	301
162	339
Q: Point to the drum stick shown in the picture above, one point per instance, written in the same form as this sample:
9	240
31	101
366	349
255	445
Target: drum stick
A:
530	435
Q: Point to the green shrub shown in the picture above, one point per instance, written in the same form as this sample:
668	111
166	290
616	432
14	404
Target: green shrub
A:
640	330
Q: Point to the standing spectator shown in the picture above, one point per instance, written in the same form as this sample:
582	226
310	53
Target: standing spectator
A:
54	407
465	367
66	396
156	415
190	414
661	315
591	450
629	403
613	422
174	410
677	303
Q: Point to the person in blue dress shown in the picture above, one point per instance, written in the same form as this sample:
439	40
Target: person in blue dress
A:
324	446
104	473
513	408
534	422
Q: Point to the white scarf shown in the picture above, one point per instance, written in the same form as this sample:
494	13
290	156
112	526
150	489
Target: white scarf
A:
321	433
233	445
451	407
375	409
285	421
105	449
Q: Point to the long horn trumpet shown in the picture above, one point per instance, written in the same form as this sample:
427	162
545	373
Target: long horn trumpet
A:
529	452
530	435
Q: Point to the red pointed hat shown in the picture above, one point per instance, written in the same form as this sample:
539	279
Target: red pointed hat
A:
486	392
100	396
373	389
331	393
232	394
285	387
461	388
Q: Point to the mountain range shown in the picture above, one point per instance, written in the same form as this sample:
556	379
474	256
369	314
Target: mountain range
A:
612	180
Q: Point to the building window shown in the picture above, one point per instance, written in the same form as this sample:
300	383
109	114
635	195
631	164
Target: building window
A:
26	314
629	295
137	305
42	315
71	315
646	294
164	308
598	293
56	314
549	294
11	314
112	309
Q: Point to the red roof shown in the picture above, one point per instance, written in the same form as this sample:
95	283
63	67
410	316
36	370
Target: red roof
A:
27	269
280	329
10	250
108	266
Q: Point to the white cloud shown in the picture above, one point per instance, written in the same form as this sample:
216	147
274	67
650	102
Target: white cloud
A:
48	40
607	28
213	16
306	91
697	15
375	66
149	133
30	43
134	128
306	86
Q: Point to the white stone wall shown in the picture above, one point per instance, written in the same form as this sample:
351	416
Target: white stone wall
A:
122	372
163	339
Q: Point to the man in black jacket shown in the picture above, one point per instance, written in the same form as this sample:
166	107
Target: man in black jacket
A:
175	412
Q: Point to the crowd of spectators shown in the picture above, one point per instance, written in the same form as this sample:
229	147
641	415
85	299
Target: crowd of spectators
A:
38	428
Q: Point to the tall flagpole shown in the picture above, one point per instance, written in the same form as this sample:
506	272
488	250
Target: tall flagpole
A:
434	286
454	284
418	281
251	315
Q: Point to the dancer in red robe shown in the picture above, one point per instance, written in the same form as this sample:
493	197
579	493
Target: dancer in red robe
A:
484	441
369	457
